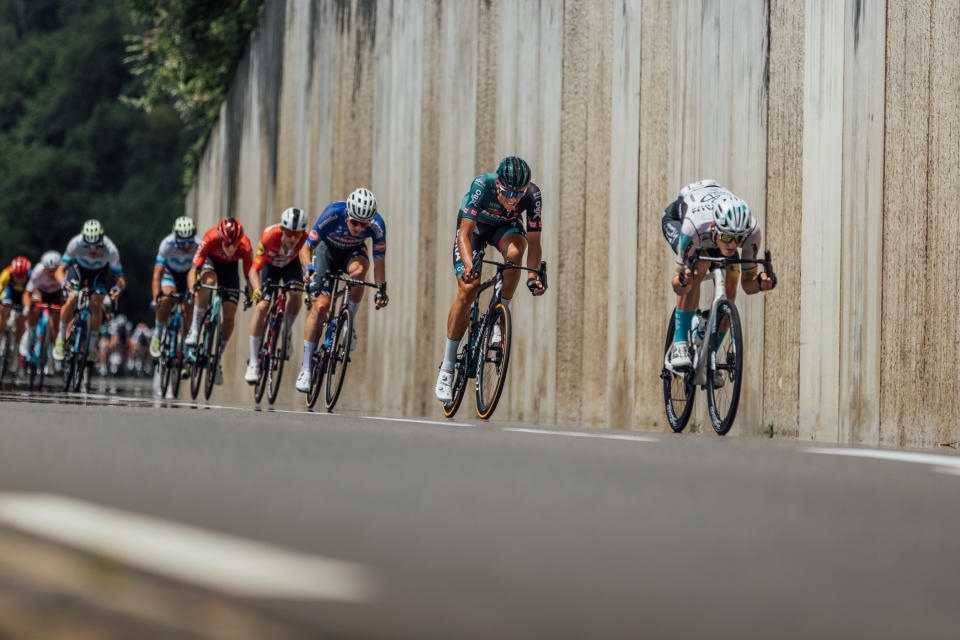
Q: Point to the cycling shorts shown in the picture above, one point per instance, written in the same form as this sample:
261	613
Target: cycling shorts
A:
96	278
330	261
228	277
13	299
484	234
290	273
48	298
175	279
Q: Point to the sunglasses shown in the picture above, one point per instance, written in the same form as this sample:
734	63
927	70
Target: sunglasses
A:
733	237
509	193
363	224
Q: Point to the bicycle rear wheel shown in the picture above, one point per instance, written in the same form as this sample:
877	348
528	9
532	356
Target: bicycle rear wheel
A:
318	366
727	361
164	363
81	346
339	357
460	375
678	390
212	346
493	361
277	358
176	362
4	356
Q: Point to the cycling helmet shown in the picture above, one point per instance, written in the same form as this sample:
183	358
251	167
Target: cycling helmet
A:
293	219
731	215
92	232
50	260
230	231
20	267
184	228
513	174
361	205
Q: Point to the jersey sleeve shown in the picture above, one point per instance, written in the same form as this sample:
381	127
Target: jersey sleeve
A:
473	200
325	222
246	255
162	252
261	252
378	234
688	242
534	209
70	255
4	278
751	248
113	257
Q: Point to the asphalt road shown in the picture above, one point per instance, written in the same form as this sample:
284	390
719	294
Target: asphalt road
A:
469	530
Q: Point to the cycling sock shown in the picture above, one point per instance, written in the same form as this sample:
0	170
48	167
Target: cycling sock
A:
160	328
506	302
197	315
450	355
682	320
308	349
254	348
63	330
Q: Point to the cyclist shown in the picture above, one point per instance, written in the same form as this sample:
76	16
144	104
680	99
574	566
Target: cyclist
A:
174	258
491	213
90	257
336	244
42	287
276	258
216	259
709	218
14	296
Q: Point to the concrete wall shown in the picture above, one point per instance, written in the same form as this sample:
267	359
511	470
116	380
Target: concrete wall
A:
838	122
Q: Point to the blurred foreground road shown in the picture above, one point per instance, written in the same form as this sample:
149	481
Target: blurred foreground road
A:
359	527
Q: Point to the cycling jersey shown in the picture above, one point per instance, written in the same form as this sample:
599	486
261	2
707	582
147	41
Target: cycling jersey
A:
93	259
332	229
211	247
697	202
42	280
481	204
271	249
172	257
7	280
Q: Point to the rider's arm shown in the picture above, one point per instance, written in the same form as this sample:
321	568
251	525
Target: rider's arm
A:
254	278
61	273
467	225
27	301
534	255
157	279
121	282
191	277
380	270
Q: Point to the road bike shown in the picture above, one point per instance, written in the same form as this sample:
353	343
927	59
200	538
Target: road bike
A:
275	347
480	357
205	355
720	374
331	358
77	370
38	353
171	360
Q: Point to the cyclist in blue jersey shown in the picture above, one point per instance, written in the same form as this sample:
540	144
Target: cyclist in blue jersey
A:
492	213
174	259
336	244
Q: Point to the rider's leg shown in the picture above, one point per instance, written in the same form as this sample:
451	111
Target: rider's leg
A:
229	313
357	269
4	316
257	324
512	246
96	317
66	314
457	320
202	298
311	329
164	307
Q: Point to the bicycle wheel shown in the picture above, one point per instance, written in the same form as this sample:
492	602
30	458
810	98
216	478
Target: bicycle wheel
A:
727	361
41	359
87	376
4	358
678	390
212	346
176	361
198	359
80	349
68	359
339	357
164	363
460	375
318	366
492	361
277	359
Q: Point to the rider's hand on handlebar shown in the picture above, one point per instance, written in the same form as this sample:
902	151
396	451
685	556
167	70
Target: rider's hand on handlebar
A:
471	274
536	286
380	299
766	282
115	292
684	276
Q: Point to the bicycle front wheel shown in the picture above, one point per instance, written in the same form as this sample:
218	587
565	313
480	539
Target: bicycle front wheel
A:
176	361
212	346
81	346
277	359
678	390
725	368
4	358
318	367
339	357
493	360
460	375
165	363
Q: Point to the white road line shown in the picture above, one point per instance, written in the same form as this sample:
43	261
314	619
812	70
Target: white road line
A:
199	556
418	421
579	434
941	464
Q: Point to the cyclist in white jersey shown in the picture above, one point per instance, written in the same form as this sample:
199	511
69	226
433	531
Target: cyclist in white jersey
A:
90	258
43	287
711	219
174	259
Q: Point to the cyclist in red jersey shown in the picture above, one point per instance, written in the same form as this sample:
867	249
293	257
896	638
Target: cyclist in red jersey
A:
277	258
216	261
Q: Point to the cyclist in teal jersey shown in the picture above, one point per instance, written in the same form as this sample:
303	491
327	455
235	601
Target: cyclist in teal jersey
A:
492	213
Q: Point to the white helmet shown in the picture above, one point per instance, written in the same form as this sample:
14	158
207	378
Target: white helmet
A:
92	232
731	215
361	205
294	219
184	228
50	260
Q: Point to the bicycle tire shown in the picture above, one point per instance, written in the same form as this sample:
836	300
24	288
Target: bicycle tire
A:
87	377
177	373
318	366
198	359
277	358
339	358
80	355
213	356
727	357
68	358
678	391
43	357
4	360
164	363
460	375
499	316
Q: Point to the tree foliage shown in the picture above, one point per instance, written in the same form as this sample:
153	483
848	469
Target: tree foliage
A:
188	51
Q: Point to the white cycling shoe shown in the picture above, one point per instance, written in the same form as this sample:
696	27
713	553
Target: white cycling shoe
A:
679	359
303	381
192	337
252	373
444	389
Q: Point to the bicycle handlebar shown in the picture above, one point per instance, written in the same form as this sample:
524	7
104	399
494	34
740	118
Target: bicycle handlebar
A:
503	266
766	262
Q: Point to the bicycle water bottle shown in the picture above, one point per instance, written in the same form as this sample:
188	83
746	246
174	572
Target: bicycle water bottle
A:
329	337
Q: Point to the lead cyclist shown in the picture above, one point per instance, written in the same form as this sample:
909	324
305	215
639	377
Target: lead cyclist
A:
711	219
